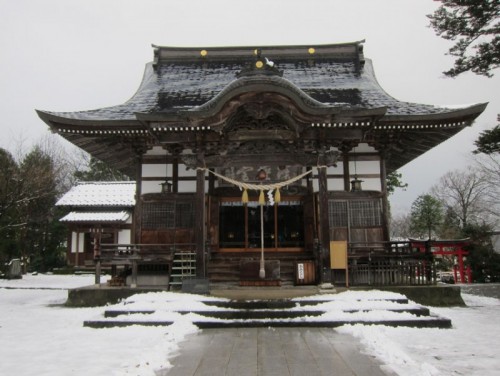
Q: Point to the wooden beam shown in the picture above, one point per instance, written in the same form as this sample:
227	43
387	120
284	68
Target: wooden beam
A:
199	223
326	275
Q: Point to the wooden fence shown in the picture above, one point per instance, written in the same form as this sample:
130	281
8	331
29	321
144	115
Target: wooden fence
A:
390	263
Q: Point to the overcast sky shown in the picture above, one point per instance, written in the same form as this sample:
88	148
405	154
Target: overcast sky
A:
61	55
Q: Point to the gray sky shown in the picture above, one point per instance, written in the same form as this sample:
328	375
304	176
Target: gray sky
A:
62	55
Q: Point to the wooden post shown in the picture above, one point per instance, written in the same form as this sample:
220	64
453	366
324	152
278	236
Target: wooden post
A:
97	256
211	183
77	247
326	274
199	223
385	202
136	233
133	283
345	164
98	273
175	175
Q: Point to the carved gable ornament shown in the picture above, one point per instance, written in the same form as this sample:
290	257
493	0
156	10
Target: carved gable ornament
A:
261	66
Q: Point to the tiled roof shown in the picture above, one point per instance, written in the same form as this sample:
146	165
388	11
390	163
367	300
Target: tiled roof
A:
120	216
186	85
107	194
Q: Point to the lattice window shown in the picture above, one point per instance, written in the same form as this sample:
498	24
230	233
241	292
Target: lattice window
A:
366	213
167	215
184	215
337	213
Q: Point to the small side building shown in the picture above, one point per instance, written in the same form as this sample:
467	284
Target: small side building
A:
97	206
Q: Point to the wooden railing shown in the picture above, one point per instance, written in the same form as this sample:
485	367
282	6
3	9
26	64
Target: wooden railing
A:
134	254
390	263
144	252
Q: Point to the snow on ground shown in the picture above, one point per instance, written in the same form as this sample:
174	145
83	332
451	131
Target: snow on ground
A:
469	348
40	336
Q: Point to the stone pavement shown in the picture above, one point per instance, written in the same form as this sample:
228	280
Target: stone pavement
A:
491	290
272	352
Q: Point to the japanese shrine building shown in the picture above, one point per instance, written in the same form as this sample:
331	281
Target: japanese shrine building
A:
208	123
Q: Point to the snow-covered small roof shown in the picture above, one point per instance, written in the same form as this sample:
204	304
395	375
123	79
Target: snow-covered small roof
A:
120	216
103	193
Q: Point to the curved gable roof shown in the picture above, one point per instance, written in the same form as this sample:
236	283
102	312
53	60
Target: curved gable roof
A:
330	85
181	82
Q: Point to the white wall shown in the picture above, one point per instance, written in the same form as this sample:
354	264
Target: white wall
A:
155	170
124	237
81	237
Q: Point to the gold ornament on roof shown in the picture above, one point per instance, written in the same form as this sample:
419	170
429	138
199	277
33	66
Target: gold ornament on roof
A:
259	64
203	53
311	50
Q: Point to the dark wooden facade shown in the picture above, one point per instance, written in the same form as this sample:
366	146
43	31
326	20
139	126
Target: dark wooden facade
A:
283	109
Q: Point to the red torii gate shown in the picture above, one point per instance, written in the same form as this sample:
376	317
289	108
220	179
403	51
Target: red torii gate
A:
461	273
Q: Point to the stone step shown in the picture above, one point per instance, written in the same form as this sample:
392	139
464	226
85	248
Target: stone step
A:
265	313
432	322
303	312
281	304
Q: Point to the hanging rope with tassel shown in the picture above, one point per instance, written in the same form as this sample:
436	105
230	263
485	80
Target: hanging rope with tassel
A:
259	187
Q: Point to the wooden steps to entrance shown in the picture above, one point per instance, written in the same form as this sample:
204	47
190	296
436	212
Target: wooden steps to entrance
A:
224	267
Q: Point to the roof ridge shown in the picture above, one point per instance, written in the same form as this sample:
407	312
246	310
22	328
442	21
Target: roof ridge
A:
105	182
344	51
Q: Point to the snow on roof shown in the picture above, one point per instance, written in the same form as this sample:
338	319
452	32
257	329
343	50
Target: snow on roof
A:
119	193
121	216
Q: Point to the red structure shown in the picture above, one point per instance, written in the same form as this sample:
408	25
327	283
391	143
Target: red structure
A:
454	248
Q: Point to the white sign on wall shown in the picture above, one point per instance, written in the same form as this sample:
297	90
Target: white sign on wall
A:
300	271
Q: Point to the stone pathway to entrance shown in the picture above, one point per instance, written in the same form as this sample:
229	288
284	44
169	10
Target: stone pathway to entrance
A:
272	352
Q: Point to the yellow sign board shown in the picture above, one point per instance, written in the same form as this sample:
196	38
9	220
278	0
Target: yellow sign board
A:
338	254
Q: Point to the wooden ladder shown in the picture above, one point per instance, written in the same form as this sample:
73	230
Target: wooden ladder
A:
183	267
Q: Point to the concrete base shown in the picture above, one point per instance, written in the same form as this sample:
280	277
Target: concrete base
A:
196	286
435	296
146	280
100	295
91	296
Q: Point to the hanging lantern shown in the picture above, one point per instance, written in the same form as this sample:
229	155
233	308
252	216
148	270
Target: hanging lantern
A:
277	196
356	184
262	199
244	197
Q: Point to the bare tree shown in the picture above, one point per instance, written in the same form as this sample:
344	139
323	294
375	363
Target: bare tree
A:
464	195
489	167
29	187
400	227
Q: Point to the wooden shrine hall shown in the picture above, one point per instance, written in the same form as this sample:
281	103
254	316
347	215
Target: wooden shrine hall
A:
259	165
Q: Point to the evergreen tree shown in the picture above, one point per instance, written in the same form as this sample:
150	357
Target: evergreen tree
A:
488	142
474	26
99	171
426	215
394	180
483	260
38	238
9	200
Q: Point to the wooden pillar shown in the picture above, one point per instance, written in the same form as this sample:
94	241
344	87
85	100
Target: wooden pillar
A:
136	233
133	282
347	173
175	175
97	255
77	246
385	201
309	181
199	224
324	227
211	183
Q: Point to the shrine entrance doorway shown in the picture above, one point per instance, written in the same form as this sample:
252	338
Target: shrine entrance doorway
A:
240	225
